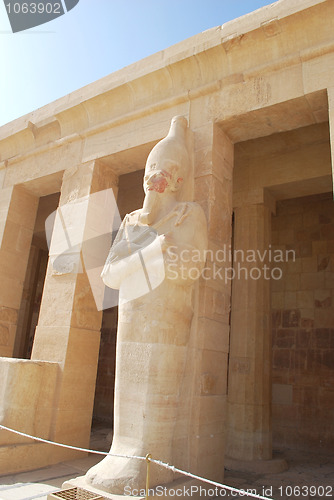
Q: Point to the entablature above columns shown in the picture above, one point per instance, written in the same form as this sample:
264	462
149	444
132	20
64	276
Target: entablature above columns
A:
287	164
228	60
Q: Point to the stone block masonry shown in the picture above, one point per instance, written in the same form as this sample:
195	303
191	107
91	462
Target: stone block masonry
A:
303	325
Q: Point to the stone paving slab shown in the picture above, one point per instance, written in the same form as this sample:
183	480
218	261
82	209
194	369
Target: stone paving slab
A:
304	470
38	483
53	471
310	476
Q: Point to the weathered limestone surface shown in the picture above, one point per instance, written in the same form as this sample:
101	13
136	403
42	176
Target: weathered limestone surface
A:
153	385
213	190
27	399
27	404
270	108
68	330
249	392
66	342
302	325
17	213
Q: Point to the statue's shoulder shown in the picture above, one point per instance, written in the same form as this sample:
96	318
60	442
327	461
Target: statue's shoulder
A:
135	212
191	212
132	217
191	208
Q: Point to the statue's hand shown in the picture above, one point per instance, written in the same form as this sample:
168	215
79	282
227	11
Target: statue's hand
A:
132	240
166	241
124	249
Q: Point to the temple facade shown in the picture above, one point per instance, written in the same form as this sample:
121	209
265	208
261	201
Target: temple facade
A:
258	94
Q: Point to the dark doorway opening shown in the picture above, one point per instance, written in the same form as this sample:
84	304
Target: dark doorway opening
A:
34	280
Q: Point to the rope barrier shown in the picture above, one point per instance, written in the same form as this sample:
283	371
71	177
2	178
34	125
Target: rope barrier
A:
61	445
148	459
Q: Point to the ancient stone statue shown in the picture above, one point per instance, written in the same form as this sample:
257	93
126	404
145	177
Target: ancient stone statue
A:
155	314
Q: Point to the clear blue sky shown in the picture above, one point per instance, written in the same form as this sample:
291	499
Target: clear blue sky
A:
94	39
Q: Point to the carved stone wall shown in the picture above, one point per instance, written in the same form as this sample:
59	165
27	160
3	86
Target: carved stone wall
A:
303	325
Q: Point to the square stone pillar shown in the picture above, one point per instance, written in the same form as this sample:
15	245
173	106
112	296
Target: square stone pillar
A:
213	191
18	209
68	330
249	387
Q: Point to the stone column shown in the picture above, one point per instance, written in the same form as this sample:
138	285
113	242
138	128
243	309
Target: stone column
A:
249	387
18	209
213	190
68	330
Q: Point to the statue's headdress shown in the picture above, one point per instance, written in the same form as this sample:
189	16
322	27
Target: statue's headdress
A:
176	146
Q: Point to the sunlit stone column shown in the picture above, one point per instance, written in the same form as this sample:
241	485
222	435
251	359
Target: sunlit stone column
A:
18	208
213	190
68	330
249	388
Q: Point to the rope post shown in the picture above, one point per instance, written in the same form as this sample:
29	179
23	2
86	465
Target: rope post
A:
148	461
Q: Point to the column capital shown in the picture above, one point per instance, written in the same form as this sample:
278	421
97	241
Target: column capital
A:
259	196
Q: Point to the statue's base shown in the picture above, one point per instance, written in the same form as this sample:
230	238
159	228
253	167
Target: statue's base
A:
181	488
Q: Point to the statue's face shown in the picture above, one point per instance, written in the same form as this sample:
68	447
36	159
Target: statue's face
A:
162	177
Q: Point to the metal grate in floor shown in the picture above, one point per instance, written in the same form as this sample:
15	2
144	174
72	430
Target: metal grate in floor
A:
74	494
